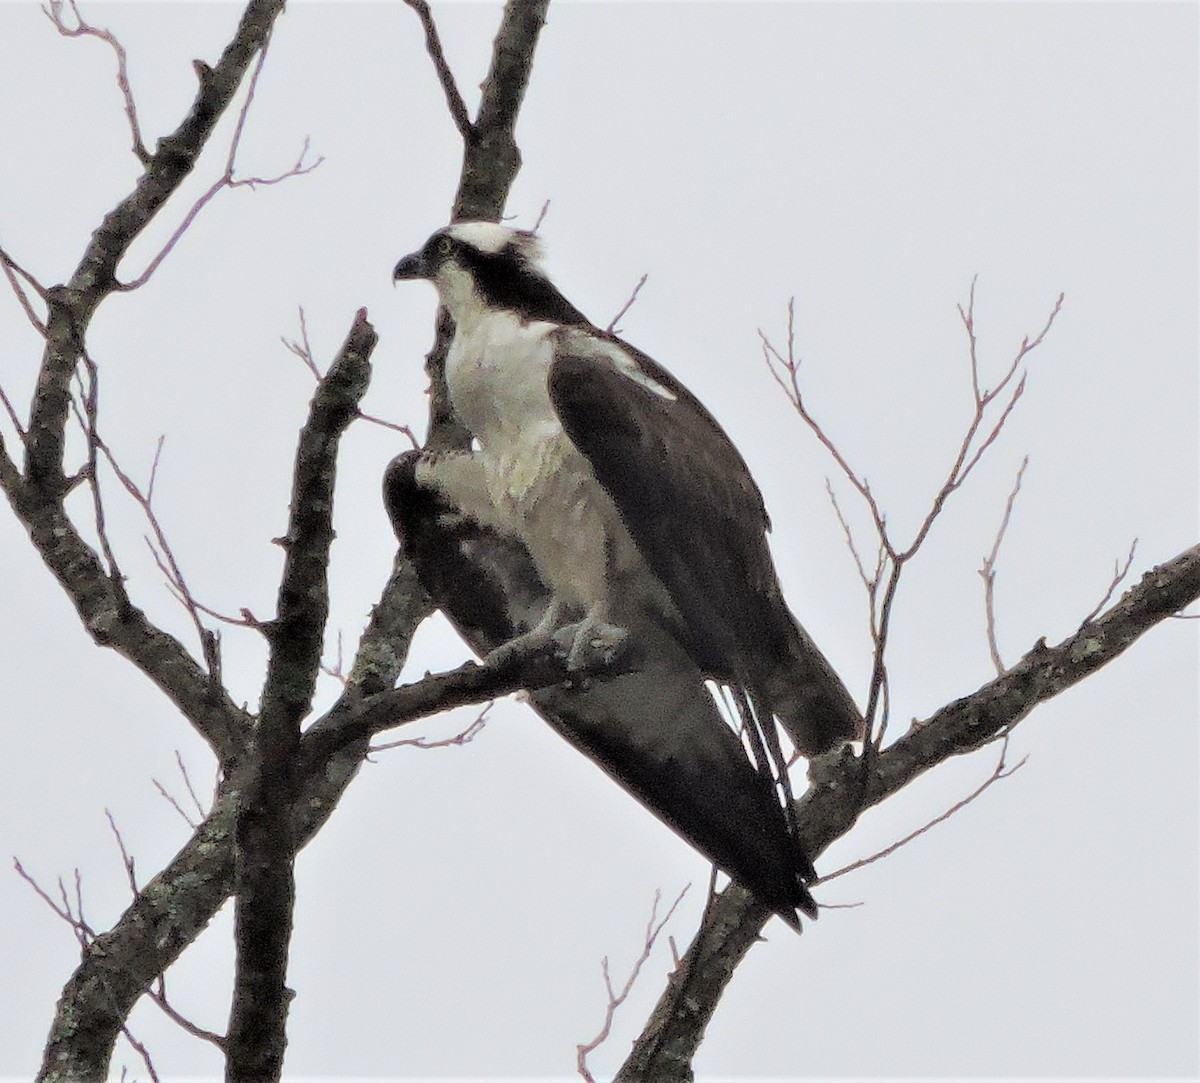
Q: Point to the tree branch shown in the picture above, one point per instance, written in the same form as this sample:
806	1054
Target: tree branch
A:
84	29
433	46
264	843
829	809
491	157
71	306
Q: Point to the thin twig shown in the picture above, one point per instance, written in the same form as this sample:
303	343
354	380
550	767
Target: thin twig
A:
170	799
84	933
612	326
82	29
227	179
302	348
1120	571
11	270
988	571
126	859
187	781
791	388
867	581
141	1051
12	414
615	1000
88	421
161	549
461	738
968	319
394	426
1000	771
158	995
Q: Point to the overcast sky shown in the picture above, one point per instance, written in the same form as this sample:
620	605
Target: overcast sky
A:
867	159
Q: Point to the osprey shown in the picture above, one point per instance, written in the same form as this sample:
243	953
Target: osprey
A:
599	478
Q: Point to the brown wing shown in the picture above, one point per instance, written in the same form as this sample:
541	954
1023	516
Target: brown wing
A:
698	519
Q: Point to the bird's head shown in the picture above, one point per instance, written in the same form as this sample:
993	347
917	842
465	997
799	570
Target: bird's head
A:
473	263
472	257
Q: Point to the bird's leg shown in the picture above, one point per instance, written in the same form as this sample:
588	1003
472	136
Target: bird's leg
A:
539	637
592	641
586	644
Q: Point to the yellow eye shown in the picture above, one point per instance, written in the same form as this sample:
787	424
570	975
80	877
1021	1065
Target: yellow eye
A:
445	246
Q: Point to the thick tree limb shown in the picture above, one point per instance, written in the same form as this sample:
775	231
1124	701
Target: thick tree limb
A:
264	843
830	808
491	157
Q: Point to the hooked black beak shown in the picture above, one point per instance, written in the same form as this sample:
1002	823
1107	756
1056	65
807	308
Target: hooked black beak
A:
413	266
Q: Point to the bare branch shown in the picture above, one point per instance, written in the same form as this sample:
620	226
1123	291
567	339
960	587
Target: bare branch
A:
615	1000
227	179
463	737
126	859
141	1051
491	157
70	307
433	46
612	326
988	571
1001	770
11	270
81	29
71	913
158	994
1120	571
883	585
263	838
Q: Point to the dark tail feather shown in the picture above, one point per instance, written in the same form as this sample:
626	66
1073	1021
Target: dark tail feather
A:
772	768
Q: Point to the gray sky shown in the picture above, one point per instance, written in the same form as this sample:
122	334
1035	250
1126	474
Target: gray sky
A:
867	159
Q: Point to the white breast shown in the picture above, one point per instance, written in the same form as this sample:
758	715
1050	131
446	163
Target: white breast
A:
539	486
496	375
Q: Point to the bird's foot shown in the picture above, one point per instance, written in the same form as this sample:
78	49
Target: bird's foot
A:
590	643
527	643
